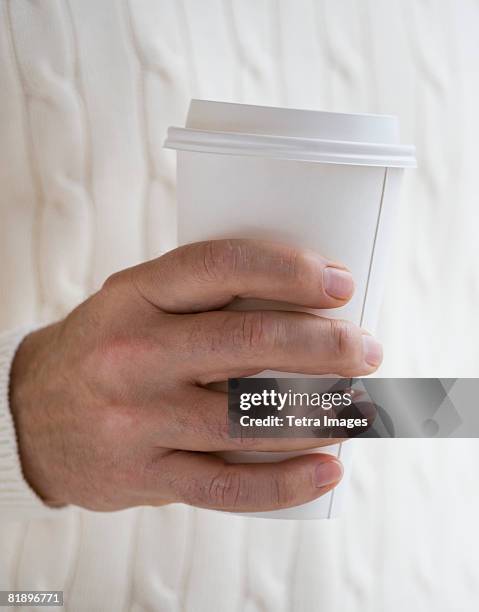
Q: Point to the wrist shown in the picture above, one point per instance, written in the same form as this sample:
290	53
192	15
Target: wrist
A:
29	406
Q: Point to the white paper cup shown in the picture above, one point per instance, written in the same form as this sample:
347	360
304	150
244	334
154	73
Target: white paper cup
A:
324	181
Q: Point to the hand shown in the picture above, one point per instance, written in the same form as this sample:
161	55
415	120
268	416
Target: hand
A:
110	404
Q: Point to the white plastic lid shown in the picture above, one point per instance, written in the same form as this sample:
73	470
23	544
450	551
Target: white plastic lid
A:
284	133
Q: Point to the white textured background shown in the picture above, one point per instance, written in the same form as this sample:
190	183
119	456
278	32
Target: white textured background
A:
87	90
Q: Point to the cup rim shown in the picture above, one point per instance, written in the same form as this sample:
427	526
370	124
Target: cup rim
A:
291	148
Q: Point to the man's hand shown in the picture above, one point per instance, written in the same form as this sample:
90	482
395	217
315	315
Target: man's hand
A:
110	404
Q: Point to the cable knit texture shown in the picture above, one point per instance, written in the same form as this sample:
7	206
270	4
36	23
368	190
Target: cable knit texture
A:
88	89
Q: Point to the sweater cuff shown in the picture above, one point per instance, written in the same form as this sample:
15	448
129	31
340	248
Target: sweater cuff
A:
17	499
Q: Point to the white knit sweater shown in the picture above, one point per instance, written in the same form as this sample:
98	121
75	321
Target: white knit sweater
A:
87	90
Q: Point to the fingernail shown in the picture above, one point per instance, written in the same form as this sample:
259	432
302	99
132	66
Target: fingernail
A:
328	472
338	283
372	351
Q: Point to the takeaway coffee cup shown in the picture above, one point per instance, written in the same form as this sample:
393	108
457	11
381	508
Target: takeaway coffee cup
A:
320	180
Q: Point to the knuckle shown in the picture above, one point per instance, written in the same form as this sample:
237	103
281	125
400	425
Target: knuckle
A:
344	336
253	333
122	350
246	334
224	490
114	431
298	267
218	259
282	494
114	362
215	430
292	264
227	489
114	280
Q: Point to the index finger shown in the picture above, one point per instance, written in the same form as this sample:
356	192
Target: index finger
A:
208	275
